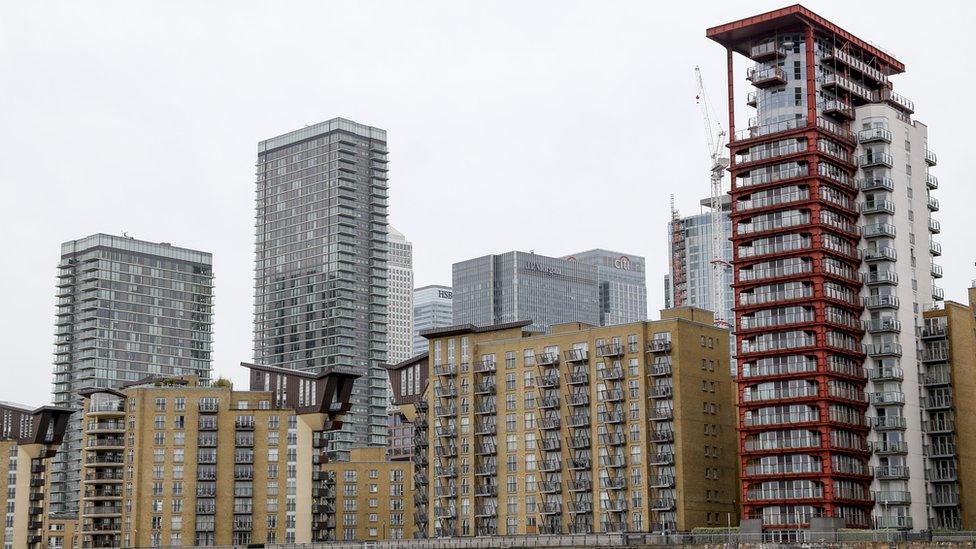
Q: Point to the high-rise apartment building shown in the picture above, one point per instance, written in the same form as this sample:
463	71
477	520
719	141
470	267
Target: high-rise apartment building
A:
626	428
433	307
949	380
29	438
497	289
373	496
171	462
400	320
831	228
321	274
126	309
623	285
689	278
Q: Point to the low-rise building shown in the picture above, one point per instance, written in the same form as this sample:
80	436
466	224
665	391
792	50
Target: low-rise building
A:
29	438
626	428
373	496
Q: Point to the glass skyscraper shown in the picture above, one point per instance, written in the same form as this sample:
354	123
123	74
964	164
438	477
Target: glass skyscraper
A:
433	307
496	289
321	274
126	309
400	327
623	285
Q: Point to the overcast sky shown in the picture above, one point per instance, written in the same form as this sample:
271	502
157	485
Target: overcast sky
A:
555	126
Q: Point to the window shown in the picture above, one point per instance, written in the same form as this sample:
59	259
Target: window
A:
179	404
160	404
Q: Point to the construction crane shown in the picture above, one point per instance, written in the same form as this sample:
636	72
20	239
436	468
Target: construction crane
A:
716	146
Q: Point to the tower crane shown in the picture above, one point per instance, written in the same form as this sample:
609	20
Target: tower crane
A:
716	145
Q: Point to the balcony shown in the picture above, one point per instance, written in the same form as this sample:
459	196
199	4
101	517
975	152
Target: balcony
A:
942	474
550	486
893	522
934	226
576	355
548	403
661	459
887	398
882	325
941	450
880	302
486	387
660	346
937	402
892	497
549	381
840	109
610	350
659	436
447	391
878	207
660	391
577	378
935	248
875	159
765	77
876	184
887	423
611	374
892	472
931	181
880	350
767	51
930	158
445	370
549	423
578	399
752	99
886	447
874	135
935	354
879	230
547	359
936	270
484	367
581	485
578	463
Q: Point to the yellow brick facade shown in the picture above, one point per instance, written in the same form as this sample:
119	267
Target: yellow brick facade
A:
626	428
374	499
188	465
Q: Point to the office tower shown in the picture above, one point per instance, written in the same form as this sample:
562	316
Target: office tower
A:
626	428
373	498
948	381
408	380
126	309
172	462
321	275
29	438
497	289
433	307
689	279
623	285
400	324
826	331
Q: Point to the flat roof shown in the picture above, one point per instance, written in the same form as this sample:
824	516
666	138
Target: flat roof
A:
315	130
738	35
130	244
422	357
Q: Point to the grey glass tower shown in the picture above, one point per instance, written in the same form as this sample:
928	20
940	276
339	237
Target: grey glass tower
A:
433	307
126	309
623	285
496	289
321	276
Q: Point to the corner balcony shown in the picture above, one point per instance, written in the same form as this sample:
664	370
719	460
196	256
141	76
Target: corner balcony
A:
767	51
766	77
874	135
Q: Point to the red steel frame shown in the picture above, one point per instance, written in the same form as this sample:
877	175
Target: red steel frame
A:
738	37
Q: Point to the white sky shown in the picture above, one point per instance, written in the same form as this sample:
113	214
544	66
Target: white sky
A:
556	126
